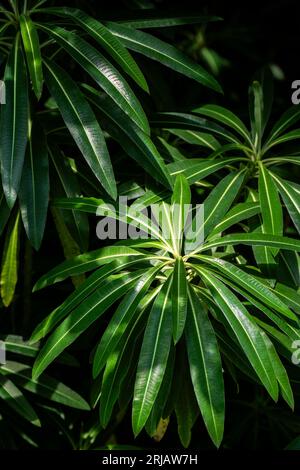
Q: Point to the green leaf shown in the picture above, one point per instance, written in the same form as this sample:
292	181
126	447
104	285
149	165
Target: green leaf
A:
151	18
245	330
270	204
120	322
104	73
290	193
14	398
135	142
180	206
133	216
93	282
175	120
45	386
153	357
186	406
82	124
34	187
205	367
251	284
14	123
290	117
254	239
256	113
197	138
86	262
216	205
164	53
106	39
226	117
196	169
9	268
33	54
81	318
241	211
179	299
120	361
280	372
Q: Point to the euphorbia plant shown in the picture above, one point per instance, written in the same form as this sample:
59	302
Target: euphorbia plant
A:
208	301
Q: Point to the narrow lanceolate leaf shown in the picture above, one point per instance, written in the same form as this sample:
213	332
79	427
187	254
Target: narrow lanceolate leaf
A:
180	208
104	73
153	358
254	239
9	268
86	262
14	398
34	188
290	117
226	117
86	288
164	53
82	124
81	318
179	299
120	361
290	193
14	123
107	40
216	205
201	139
247	333
121	319
270	203
205	367
175	120
45	386
236	214
251	284
196	169
136	143
151	18
280	372
33	54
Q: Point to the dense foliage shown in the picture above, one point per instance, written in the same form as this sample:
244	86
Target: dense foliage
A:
156	335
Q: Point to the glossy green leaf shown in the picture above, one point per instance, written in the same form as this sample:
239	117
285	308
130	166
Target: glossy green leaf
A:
81	318
45	386
34	187
82	124
251	284
179	299
106	39
270	203
14	398
33	53
290	193
254	239
205	367
14	123
196	169
164	53
153	357
226	117
119	323
104	73
135	142
245	330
